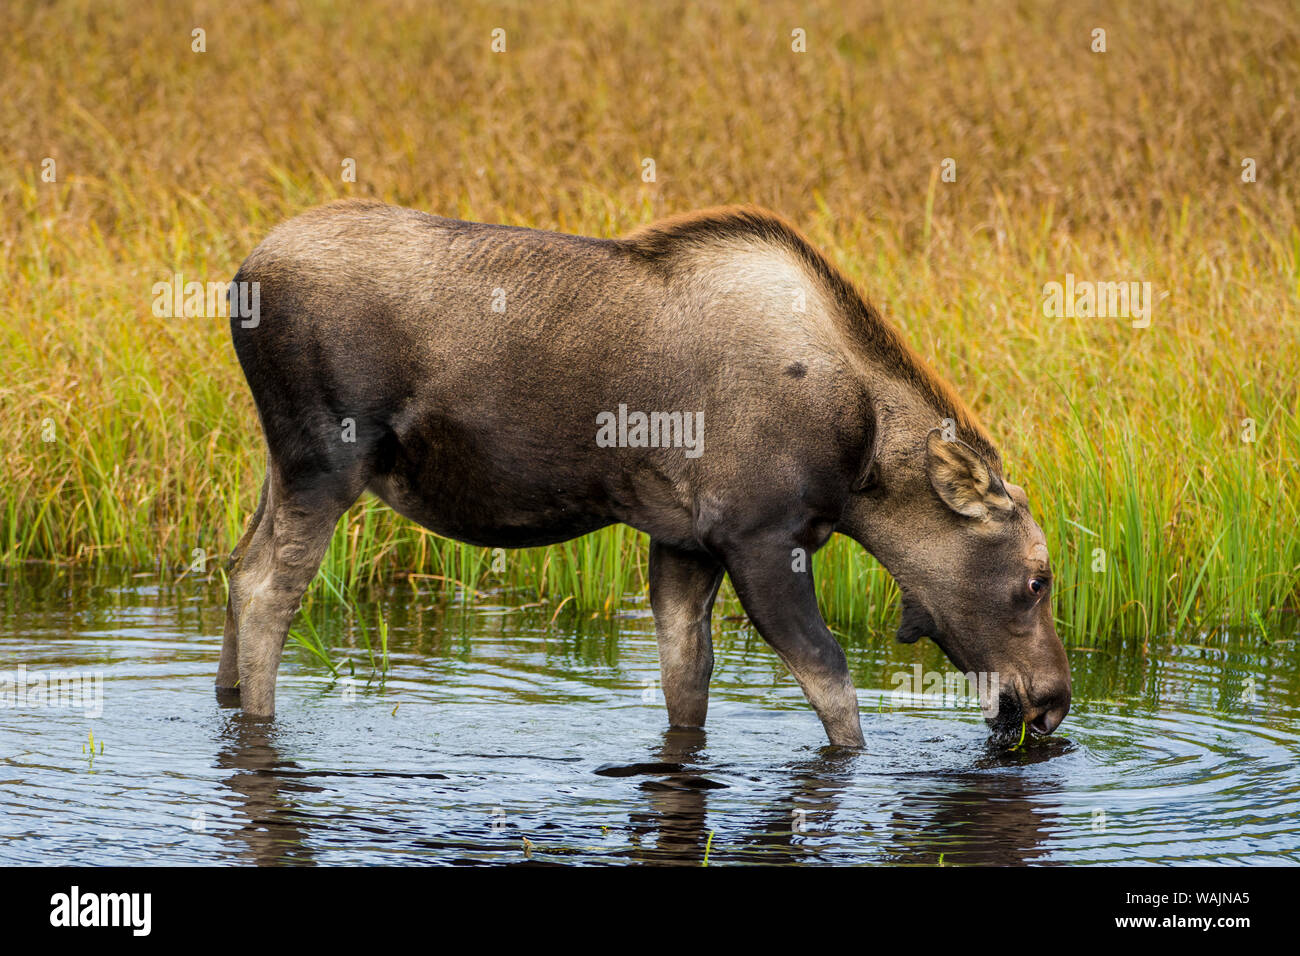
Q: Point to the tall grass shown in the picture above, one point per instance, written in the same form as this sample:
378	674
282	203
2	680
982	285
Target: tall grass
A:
1117	166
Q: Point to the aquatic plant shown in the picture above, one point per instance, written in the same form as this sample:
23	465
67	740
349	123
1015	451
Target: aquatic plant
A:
1161	460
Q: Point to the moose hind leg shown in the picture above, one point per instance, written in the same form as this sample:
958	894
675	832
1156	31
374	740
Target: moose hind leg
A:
683	585
228	670
282	558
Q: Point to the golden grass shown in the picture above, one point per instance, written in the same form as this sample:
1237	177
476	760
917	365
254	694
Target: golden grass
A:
1123	165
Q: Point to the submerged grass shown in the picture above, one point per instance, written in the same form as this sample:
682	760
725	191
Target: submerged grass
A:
1161	461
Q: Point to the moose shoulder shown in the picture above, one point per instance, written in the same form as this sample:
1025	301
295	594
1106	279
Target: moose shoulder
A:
711	380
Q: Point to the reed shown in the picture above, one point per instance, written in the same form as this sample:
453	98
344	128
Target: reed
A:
130	439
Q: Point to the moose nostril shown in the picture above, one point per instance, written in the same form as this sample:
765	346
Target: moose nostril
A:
1050	717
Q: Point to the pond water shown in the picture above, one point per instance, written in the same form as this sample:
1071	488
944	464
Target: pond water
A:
498	737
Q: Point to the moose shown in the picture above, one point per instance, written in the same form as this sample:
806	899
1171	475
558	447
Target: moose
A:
464	372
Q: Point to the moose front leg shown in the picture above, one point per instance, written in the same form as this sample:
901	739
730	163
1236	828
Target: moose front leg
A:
683	585
773	578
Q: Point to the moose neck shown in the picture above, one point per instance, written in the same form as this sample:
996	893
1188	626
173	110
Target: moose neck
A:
904	417
898	504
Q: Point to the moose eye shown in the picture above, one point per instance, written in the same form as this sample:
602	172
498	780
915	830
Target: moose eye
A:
1038	585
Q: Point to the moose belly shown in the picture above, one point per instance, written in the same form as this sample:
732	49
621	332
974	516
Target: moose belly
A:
510	487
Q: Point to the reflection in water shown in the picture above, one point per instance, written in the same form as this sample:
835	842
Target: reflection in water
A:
806	806
500	737
970	818
273	827
986	818
673	825
979	819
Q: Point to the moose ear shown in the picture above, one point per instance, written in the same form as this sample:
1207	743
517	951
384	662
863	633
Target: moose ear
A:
962	479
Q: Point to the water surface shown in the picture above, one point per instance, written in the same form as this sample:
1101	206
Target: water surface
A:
498	737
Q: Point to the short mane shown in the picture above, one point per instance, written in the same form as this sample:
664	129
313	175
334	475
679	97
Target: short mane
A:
866	326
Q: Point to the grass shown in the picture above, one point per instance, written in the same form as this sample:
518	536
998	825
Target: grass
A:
1123	165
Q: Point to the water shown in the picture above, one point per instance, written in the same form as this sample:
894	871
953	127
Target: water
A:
494	727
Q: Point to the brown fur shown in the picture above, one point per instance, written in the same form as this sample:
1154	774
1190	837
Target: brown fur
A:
674	236
474	362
